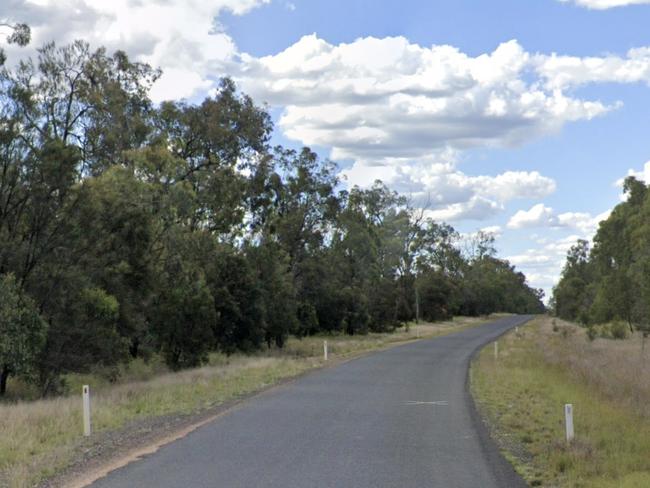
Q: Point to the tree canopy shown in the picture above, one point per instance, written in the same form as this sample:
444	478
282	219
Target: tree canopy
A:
129	229
610	281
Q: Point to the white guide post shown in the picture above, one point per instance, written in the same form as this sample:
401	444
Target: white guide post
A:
568	417
86	408
496	349
325	350
517	330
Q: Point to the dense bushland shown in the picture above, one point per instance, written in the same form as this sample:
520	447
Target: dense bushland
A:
609	283
129	229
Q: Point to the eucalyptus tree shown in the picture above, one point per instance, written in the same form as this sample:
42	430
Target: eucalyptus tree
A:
19	34
22	332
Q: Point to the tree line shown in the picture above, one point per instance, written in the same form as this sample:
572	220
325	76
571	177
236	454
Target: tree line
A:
129	229
610	281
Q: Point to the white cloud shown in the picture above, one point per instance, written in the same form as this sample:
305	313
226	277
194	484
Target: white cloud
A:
538	216
181	36
377	99
495	230
476	208
643	175
542	216
401	112
437	184
543	265
529	259
560	72
606	4
398	110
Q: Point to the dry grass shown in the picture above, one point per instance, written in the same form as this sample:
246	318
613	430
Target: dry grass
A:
547	365
40	438
344	345
618	369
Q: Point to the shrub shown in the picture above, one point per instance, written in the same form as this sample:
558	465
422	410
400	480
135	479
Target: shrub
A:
619	330
592	333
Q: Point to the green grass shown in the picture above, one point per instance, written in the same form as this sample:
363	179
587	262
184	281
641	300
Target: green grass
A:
41	438
523	395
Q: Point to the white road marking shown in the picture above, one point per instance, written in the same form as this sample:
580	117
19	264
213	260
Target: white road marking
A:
441	403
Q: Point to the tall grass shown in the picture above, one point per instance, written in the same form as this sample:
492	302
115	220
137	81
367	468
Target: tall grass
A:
41	438
547	365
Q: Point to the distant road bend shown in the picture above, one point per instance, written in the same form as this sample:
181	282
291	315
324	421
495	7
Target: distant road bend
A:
398	418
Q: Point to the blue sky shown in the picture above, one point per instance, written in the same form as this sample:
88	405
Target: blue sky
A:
518	116
585	158
474	26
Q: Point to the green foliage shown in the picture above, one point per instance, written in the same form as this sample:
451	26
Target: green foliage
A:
22	332
277	293
592	333
185	313
619	330
175	230
20	35
610	283
435	294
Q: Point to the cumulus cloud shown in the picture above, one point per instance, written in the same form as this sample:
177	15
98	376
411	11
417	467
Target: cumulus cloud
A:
642	175
538	216
561	72
606	4
401	112
377	99
542	216
495	230
543	265
181	36
437	184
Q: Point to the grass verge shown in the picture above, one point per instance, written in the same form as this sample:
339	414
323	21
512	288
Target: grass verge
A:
551	363
42	438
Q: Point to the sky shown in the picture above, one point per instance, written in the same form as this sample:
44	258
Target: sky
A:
520	117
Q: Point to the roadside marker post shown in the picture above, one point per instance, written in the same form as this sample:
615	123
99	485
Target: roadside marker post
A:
325	350
568	417
86	409
496	349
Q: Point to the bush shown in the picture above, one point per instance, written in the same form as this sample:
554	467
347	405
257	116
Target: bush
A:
592	333
619	330
556	328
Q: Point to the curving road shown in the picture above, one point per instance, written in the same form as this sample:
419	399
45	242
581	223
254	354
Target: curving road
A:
398	418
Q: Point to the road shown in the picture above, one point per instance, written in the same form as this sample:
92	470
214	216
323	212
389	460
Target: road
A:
397	418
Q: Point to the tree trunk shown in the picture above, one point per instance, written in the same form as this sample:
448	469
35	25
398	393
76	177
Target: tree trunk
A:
4	374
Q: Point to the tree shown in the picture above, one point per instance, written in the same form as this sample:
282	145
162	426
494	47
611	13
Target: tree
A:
184	318
277	293
611	281
572	294
22	332
20	34
137	229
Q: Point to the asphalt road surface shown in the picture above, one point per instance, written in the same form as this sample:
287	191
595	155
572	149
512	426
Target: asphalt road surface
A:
398	418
